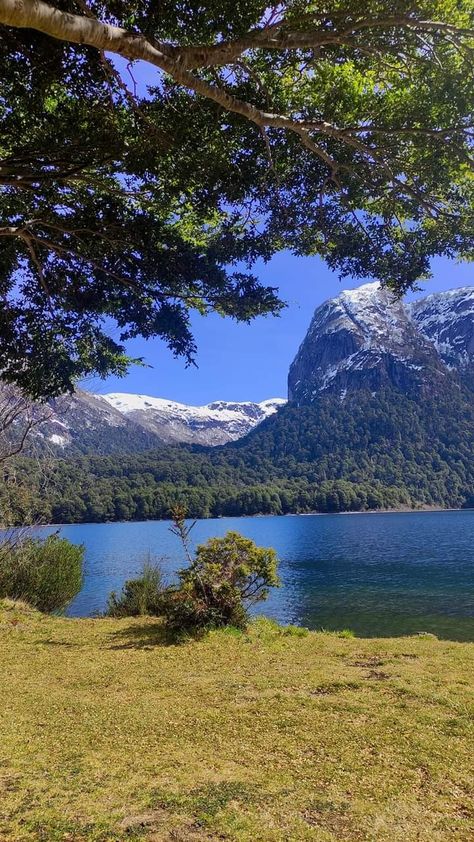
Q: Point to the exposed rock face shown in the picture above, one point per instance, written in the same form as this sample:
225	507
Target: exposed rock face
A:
86	423
446	319
365	338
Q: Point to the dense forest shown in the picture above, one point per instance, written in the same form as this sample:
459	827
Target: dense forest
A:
366	452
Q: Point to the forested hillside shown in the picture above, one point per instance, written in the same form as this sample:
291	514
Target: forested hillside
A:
363	452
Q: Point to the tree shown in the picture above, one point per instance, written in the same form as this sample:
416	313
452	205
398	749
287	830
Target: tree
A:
226	576
343	130
18	418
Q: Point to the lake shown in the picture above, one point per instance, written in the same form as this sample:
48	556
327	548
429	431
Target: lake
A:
377	574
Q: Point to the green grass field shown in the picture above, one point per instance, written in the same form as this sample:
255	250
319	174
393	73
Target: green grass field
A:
107	734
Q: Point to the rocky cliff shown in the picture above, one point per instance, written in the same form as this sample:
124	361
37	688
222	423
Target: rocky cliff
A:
367	339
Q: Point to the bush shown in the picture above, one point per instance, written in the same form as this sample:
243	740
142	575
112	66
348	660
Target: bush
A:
189	611
227	576
139	596
46	573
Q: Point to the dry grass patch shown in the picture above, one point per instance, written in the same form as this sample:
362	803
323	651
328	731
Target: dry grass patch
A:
109	735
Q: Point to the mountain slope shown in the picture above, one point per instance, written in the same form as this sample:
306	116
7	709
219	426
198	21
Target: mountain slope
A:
369	451
126	423
363	340
86	423
213	424
446	319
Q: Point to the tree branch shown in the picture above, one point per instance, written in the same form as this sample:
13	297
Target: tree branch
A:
176	62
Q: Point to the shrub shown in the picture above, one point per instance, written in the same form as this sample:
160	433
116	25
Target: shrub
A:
140	596
44	572
226	576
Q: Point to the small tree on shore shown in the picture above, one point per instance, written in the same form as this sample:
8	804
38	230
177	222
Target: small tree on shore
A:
223	579
227	576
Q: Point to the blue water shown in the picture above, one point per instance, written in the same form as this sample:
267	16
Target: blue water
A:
377	574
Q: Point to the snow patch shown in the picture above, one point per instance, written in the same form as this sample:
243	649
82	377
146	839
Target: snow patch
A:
233	419
60	440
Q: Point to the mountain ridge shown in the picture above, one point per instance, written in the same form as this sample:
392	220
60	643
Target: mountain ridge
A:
361	340
110	423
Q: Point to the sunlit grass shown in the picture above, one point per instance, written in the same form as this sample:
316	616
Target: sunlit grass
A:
276	735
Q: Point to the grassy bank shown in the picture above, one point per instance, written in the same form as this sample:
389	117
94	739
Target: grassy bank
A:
109	735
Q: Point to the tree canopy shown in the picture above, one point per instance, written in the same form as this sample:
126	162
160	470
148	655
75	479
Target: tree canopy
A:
341	129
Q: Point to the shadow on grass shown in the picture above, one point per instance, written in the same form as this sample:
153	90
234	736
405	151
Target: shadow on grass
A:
145	636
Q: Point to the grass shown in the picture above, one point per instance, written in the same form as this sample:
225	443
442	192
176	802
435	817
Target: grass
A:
109	735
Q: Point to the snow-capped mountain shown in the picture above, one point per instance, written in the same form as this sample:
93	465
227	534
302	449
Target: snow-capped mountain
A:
363	339
215	423
85	423
89	423
366	338
446	319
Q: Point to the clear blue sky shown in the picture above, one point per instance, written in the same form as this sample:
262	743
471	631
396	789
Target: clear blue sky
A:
250	362
246	362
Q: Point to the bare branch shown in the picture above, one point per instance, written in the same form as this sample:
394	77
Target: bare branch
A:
18	418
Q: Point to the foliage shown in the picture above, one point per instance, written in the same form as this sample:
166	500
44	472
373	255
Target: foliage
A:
139	597
227	575
366	452
344	132
45	573
236	562
96	229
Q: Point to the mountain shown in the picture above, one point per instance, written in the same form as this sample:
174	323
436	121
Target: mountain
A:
362	340
84	423
213	424
119	422
367	339
381	414
446	319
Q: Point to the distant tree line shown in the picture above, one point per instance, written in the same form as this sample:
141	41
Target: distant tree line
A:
363	453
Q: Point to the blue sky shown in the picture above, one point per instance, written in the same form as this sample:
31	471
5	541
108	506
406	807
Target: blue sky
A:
246	362
250	362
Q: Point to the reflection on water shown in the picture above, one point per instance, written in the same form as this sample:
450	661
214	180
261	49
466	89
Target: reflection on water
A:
378	574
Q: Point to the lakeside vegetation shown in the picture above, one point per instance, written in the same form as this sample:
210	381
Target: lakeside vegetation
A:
46	573
223	578
110	736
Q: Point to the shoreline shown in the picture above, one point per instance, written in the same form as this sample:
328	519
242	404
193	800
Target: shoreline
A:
395	511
